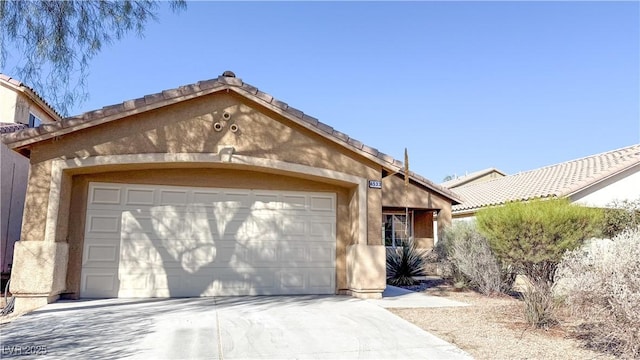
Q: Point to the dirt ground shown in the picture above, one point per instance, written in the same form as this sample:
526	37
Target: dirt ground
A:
494	328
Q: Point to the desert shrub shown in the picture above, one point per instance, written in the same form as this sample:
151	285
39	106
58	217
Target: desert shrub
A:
539	304
601	284
532	238
404	262
472	260
619	216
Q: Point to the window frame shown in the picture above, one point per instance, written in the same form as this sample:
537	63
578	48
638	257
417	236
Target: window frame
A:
34	121
396	240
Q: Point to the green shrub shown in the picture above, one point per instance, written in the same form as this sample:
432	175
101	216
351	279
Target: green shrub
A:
532	236
472	260
619	216
601	284
404	263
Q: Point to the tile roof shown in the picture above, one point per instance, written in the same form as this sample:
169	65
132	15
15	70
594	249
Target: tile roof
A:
559	180
6	128
461	180
227	82
32	94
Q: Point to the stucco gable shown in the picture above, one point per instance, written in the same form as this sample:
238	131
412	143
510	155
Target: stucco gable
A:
30	93
226	83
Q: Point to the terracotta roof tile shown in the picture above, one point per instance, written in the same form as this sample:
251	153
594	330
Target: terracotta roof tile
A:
172	93
6	128
340	135
264	96
370	150
282	105
54	114
250	89
295	112
324	127
208	84
310	119
386	157
153	98
559	180
355	143
469	177
170	96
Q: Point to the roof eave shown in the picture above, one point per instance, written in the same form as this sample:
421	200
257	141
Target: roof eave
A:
584	187
33	96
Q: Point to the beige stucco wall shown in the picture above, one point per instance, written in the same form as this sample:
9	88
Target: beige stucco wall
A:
14	171
15	105
8	102
394	195
188	127
264	135
620	187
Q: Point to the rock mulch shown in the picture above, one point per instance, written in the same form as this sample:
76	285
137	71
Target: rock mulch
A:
493	327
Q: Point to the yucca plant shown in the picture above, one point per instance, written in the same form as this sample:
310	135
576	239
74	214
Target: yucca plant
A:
404	263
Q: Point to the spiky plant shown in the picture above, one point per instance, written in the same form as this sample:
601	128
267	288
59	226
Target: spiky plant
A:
404	263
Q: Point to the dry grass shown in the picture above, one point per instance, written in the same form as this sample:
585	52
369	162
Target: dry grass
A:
495	328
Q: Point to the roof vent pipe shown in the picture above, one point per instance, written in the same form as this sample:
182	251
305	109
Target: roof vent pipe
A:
229	73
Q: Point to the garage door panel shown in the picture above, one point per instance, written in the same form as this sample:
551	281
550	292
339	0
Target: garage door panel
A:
103	223
173	197
322	204
175	241
105	195
99	283
96	252
139	196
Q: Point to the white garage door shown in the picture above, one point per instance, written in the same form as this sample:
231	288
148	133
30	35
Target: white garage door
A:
168	241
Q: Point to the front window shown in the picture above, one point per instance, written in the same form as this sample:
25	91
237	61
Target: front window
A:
34	121
397	228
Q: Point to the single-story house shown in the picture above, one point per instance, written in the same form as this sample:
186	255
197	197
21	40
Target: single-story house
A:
214	188
595	181
20	108
472	178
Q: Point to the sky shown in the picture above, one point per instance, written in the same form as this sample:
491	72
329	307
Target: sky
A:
463	86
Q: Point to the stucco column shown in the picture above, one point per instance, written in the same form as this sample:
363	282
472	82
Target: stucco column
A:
366	270
366	262
38	275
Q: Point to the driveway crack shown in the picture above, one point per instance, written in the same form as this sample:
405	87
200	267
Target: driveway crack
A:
219	331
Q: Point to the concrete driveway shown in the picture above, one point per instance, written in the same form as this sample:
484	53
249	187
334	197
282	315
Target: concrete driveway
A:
276	327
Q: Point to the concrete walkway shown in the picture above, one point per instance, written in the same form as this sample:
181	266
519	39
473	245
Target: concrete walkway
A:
395	297
276	327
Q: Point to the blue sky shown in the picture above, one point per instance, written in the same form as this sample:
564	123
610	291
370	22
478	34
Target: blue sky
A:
463	85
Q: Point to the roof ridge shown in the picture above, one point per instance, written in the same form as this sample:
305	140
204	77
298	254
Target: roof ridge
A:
579	159
226	80
15	82
559	180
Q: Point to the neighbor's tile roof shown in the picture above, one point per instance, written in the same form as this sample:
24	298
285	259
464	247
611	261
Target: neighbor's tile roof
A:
6	128
461	180
227	81
33	94
558	180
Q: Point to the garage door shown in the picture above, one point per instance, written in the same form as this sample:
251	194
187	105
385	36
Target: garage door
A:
167	241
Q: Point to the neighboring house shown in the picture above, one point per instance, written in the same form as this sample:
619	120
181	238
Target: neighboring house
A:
20	107
595	181
214	188
473	178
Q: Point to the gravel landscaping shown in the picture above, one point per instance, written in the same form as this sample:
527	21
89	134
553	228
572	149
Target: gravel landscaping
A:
494	327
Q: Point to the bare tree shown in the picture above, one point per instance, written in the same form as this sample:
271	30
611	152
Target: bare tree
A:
52	42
